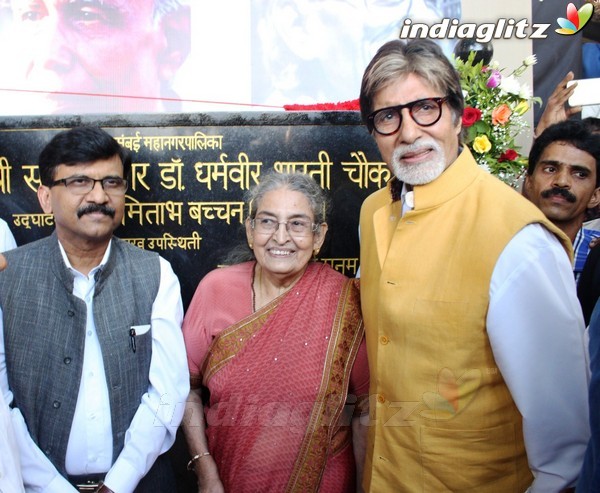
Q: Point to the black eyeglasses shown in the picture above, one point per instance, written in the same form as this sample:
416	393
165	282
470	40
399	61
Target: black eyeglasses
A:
80	185
424	112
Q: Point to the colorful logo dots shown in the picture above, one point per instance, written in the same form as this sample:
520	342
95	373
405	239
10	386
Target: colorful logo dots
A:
576	19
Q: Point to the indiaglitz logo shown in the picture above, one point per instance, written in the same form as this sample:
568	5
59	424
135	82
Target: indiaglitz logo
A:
483	33
453	395
576	19
503	28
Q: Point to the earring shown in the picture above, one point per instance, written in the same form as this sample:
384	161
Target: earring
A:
251	245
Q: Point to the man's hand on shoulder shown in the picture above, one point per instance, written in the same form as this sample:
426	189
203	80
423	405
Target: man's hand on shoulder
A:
2	262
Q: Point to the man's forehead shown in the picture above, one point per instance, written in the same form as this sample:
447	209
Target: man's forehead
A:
113	161
561	147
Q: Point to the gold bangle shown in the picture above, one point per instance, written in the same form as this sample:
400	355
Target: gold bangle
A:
190	464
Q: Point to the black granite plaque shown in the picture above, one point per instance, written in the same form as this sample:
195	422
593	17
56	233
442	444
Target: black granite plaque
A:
190	172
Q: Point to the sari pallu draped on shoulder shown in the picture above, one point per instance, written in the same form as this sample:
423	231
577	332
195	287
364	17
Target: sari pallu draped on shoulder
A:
278	384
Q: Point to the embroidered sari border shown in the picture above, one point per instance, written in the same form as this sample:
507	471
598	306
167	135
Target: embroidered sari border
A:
347	333
233	339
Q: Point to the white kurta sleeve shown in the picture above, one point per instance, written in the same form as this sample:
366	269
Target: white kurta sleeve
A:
536	331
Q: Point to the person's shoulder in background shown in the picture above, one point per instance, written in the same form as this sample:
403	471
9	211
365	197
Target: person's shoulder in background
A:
7	240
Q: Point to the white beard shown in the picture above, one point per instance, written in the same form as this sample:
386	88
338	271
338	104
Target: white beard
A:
418	174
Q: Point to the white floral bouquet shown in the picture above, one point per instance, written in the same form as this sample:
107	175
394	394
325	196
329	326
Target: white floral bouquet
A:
494	107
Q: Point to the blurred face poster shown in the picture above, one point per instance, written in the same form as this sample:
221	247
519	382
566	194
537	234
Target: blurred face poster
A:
64	57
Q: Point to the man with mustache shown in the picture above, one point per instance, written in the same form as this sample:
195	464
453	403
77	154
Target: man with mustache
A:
563	179
92	359
473	328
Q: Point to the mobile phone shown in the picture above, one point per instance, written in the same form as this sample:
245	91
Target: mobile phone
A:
586	93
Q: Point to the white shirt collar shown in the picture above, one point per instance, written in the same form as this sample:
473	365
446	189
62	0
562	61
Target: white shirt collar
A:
95	269
408	199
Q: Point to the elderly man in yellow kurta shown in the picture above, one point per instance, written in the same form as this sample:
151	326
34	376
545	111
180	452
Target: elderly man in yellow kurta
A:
474	332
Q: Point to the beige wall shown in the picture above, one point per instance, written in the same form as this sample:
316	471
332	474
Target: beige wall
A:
509	52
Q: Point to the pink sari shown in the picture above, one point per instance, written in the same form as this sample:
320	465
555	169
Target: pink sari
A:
279	381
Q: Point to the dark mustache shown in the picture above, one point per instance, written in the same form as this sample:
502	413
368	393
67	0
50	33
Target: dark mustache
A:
559	191
89	209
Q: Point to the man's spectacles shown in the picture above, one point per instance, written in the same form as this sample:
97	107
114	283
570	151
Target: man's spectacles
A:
81	185
424	112
295	227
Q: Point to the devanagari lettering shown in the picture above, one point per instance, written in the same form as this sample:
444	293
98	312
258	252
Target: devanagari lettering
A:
317	169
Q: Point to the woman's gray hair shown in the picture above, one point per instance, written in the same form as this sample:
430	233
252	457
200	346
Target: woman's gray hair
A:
421	57
269	182
295	182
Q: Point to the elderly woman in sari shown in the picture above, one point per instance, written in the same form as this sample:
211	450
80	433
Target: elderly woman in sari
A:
277	341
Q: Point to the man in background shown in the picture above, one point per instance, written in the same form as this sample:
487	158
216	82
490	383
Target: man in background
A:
563	180
92	359
92	56
557	110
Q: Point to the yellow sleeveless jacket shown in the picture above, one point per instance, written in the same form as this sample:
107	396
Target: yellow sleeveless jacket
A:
442	418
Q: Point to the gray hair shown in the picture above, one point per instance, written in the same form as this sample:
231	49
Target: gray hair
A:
421	57
295	182
269	182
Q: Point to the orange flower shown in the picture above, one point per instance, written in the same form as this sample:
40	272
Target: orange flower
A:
501	114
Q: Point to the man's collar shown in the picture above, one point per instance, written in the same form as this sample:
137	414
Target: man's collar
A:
95	269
